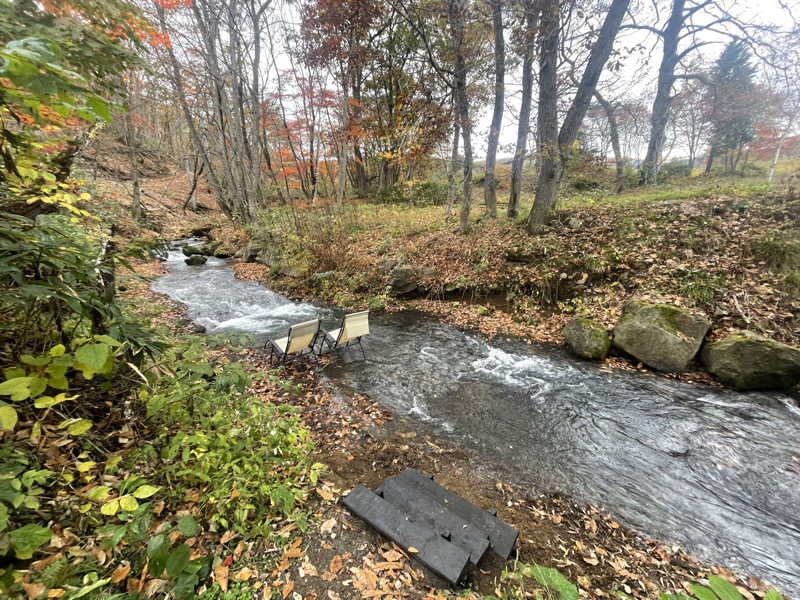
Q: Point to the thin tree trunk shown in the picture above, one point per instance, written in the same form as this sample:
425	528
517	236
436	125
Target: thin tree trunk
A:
342	166
525	108
137	209
456	9
451	174
663	99
613	130
490	189
777	156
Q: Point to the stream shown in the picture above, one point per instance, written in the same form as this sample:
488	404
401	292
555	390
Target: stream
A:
715	471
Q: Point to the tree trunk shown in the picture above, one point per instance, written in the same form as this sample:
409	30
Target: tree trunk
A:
663	100
777	156
525	108
342	166
455	10
613	130
547	117
555	156
137	210
451	174
177	82
490	189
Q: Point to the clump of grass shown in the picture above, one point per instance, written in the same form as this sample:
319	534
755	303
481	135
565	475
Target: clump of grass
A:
792	281
780	251
703	286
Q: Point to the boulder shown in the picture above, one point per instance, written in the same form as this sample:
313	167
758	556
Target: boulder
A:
222	253
662	336
203	249
748	361
195	260
403	279
587	338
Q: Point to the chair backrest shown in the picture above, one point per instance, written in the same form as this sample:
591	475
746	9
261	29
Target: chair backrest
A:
355	326
301	336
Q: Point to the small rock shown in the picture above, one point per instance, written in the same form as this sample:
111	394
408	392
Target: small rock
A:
587	338
662	336
195	260
197	328
748	361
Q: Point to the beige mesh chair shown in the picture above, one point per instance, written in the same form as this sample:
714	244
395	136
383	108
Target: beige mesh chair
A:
354	327
302	337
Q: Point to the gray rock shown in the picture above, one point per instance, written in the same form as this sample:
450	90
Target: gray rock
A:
662	336
587	338
403	279
196	260
748	361
197	328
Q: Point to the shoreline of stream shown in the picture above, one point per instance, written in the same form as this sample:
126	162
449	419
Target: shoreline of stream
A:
473	449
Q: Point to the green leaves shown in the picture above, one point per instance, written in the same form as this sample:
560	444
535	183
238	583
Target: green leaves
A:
93	356
26	540
158	552
8	417
551	579
145	491
724	590
178	560
21	388
188	526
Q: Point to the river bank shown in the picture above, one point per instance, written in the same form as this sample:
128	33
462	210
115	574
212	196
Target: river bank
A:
354	439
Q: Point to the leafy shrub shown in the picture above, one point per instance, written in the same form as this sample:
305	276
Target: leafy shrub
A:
395	194
49	290
674	169
429	193
250	460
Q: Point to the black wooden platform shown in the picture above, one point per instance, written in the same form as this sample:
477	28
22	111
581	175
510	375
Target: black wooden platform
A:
446	530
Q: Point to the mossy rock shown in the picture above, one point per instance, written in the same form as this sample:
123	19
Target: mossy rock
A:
196	260
748	361
202	250
587	338
662	336
403	279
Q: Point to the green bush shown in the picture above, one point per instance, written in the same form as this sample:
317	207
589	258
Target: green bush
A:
395	194
429	193
674	169
250	459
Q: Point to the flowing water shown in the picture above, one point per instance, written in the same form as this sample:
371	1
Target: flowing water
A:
717	472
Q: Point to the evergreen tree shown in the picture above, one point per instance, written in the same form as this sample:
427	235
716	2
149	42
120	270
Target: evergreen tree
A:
733	100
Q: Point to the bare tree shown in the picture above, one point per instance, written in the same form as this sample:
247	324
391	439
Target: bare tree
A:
490	185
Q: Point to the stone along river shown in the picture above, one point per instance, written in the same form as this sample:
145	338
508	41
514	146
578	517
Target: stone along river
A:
715	471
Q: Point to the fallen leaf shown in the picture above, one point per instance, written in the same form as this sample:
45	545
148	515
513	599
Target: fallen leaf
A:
287	589
325	494
120	573
336	564
221	576
34	590
328	525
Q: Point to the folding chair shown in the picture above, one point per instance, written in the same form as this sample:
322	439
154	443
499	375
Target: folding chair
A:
302	337
354	327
